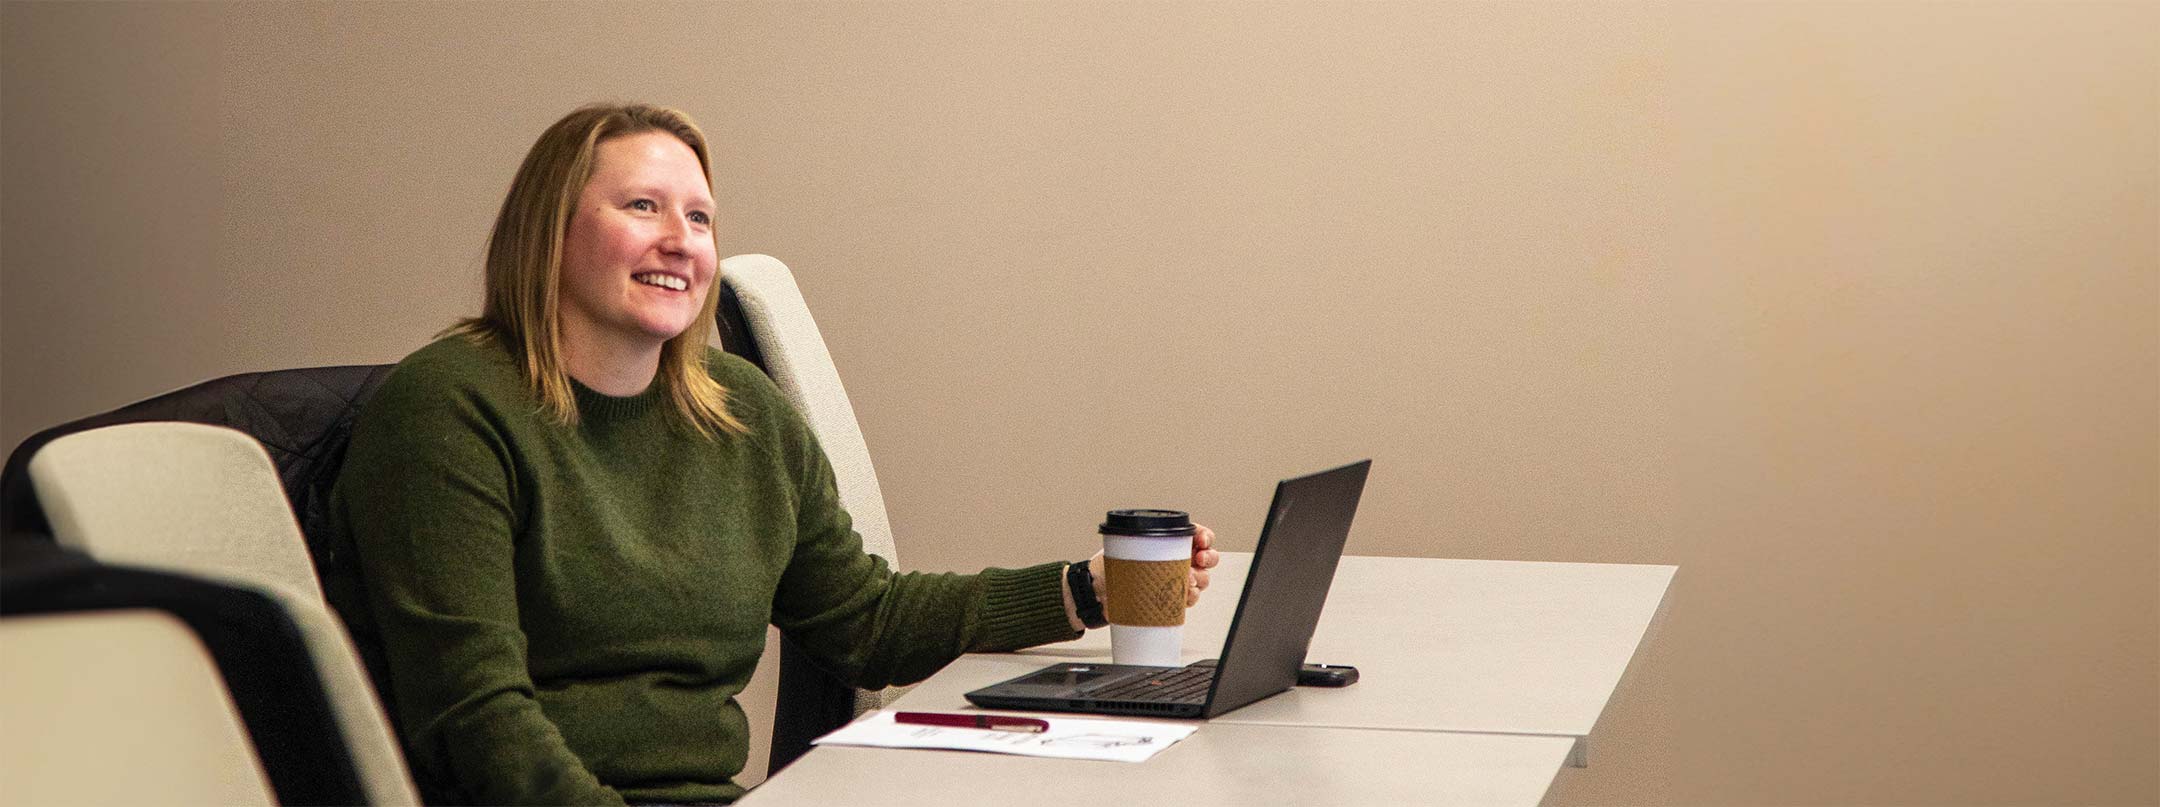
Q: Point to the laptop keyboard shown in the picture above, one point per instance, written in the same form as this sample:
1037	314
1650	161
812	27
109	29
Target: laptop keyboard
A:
1184	684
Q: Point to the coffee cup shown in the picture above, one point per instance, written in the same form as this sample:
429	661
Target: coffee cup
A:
1147	557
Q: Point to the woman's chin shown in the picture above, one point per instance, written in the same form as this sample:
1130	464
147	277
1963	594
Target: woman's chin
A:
664	331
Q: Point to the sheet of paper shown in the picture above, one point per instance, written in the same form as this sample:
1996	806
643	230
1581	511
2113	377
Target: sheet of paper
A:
1068	737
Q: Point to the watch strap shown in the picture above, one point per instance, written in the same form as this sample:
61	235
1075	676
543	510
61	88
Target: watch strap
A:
1085	604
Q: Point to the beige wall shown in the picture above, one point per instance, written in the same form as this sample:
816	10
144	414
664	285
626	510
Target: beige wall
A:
1849	309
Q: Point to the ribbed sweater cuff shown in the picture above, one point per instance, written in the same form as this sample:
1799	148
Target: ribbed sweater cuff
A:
1023	608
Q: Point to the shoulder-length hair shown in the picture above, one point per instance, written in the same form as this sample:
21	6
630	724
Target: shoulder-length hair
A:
524	267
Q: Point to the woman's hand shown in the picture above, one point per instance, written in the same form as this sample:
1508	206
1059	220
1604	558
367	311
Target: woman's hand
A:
1204	557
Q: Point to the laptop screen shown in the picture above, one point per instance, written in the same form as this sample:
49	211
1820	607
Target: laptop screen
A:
1293	566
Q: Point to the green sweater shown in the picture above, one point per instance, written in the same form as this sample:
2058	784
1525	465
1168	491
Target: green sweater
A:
568	612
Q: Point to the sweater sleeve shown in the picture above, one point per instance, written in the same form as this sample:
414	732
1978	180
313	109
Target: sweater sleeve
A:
877	628
427	493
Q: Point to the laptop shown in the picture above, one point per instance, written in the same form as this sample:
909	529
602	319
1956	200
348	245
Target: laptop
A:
1300	545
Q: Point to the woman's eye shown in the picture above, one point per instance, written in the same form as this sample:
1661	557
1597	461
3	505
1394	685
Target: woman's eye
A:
700	217
645	205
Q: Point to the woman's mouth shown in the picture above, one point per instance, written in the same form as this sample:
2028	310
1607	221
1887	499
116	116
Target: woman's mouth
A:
662	280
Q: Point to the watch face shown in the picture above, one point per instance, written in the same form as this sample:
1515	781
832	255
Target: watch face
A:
1082	583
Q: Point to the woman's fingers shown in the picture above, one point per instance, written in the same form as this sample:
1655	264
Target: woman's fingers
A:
1204	557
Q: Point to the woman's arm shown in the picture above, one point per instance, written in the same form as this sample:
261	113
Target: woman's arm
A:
876	628
866	623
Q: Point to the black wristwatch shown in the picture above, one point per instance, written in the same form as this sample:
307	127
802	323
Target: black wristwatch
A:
1082	583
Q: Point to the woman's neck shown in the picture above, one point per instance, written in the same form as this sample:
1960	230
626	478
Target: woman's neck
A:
618	370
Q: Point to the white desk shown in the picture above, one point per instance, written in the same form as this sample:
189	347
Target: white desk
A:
1219	764
1477	680
1440	645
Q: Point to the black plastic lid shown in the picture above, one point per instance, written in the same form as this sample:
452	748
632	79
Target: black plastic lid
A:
1147	522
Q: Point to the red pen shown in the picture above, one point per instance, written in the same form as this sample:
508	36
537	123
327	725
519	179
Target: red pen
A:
991	722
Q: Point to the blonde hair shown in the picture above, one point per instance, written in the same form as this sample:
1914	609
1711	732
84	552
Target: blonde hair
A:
524	267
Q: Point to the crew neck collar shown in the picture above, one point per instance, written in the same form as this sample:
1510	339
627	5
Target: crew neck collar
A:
600	406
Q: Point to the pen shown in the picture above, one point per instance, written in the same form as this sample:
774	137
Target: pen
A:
991	722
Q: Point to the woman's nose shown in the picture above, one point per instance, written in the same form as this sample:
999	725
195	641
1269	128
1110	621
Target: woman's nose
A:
675	236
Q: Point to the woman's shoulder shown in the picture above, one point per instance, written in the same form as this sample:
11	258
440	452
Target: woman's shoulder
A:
459	353
738	374
452	367
752	395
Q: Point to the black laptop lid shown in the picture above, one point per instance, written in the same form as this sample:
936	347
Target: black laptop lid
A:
1287	585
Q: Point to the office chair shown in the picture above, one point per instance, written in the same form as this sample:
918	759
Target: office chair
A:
206	501
789	347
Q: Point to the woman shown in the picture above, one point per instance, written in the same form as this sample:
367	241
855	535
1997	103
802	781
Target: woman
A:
575	520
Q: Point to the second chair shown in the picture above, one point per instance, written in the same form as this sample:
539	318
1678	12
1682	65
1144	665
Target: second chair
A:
205	500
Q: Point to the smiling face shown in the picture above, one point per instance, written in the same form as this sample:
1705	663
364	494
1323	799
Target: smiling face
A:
638	253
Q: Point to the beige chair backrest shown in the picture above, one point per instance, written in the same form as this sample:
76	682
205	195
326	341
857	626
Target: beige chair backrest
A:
183	497
119	707
205	500
796	359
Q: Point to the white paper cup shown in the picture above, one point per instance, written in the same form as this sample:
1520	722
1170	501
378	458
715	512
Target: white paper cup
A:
1146	560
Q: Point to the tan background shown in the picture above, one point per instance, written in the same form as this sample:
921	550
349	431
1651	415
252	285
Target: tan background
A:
1848	309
